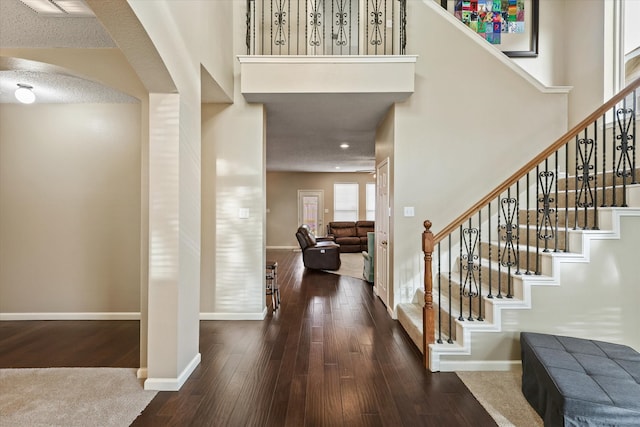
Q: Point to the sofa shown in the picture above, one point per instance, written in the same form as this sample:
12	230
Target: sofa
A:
324	255
350	235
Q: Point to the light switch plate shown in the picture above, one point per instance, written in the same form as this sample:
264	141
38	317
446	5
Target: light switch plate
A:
409	211
243	213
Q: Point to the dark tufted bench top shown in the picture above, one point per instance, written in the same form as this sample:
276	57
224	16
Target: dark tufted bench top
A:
580	382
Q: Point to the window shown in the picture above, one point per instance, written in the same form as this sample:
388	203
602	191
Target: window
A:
345	202
371	201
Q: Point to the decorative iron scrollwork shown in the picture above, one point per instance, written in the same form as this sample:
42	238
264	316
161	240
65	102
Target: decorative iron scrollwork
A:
376	22
341	23
315	23
585	194
626	141
280	21
545	228
469	263
509	208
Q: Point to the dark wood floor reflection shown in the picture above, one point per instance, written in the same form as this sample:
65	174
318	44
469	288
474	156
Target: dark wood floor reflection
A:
330	356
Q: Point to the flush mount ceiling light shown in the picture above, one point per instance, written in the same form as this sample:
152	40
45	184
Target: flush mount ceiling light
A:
25	94
59	8
344	145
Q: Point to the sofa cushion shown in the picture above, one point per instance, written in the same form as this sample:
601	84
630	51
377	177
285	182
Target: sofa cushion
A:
364	227
343	228
349	240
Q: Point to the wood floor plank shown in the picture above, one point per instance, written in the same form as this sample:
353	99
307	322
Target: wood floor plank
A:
329	356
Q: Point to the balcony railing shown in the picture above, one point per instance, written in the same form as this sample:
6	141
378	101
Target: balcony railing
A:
326	27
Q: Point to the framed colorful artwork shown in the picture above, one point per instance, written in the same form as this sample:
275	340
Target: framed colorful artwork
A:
510	25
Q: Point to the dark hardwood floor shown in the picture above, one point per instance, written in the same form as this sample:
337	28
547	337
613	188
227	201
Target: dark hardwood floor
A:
330	356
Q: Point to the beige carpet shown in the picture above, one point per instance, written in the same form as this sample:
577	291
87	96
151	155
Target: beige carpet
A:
351	264
71	397
500	393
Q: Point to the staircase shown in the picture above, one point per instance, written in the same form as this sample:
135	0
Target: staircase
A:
491	260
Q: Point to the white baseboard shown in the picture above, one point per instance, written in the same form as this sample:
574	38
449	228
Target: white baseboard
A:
234	316
141	373
479	365
70	316
173	384
289	248
124	316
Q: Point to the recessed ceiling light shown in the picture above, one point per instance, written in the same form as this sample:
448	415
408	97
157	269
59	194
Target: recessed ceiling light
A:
344	145
25	94
337	167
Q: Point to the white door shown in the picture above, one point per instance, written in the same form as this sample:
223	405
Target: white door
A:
311	210
383	212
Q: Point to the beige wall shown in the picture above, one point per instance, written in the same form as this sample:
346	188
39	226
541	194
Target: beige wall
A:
460	134
233	162
69	208
282	200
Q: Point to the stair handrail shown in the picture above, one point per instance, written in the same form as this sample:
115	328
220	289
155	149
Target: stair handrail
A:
535	161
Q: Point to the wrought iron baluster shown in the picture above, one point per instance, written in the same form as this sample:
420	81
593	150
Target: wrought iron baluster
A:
633	138
604	159
403	27
439	297
528	223
490	294
566	197
625	138
315	23
460	282
508	209
585	197
517	218
280	21
289	27
469	264
376	24
248	30
545	228
499	258
480	317
341	23
613	158
537	220
450	341
555	248
595	176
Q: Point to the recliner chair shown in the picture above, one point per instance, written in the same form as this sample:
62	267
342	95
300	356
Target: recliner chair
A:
318	255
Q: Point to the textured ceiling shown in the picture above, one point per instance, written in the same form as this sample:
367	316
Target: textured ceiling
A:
301	135
21	27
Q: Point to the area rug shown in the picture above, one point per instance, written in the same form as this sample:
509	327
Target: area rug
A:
71	397
351	264
500	393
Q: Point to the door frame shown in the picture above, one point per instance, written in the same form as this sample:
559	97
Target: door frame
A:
383	214
320	193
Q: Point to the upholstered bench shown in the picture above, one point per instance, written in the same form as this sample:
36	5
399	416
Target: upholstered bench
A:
580	382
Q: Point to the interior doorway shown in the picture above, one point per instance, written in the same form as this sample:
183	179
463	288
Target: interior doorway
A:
382	232
311	210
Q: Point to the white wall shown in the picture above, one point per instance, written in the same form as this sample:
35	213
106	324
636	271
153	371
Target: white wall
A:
69	209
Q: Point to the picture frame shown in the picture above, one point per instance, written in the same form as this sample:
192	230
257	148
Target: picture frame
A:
524	45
